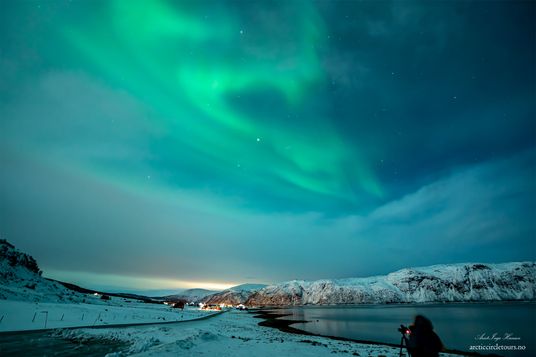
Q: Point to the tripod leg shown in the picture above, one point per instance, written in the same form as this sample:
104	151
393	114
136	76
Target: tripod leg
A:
403	344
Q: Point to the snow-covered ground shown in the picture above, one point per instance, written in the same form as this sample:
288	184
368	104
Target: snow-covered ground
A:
30	302
22	315
233	333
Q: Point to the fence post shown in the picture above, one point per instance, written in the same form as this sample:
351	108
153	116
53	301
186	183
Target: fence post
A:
46	317
96	319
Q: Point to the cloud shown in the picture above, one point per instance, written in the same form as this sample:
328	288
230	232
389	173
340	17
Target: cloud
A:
72	116
482	212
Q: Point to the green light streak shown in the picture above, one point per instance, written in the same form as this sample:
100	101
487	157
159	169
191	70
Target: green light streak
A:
186	68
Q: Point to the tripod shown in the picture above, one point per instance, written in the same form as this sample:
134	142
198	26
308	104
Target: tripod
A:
404	343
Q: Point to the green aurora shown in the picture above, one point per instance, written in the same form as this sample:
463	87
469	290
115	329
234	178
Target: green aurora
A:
191	70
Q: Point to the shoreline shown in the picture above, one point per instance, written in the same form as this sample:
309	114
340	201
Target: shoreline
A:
235	334
397	304
271	318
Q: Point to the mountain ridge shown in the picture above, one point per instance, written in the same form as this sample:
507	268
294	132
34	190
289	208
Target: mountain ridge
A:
235	295
437	283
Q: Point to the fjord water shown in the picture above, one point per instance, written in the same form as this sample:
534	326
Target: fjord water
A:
458	325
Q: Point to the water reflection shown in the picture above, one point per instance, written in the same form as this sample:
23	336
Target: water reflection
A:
456	324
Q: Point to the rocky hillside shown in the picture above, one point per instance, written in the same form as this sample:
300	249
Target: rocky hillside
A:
20	279
438	283
190	295
10	258
233	296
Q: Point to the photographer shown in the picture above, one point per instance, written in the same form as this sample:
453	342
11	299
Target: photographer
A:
423	341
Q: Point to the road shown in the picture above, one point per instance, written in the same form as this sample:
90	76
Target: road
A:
46	343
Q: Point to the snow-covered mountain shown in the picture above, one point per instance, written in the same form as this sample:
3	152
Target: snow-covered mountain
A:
438	283
190	295
248	287
233	296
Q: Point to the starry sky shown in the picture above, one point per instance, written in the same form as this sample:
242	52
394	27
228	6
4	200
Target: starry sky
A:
172	144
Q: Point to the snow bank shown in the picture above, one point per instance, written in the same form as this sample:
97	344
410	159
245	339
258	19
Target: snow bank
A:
20	315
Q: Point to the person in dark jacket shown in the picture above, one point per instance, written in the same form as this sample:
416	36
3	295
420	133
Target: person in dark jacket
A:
423	341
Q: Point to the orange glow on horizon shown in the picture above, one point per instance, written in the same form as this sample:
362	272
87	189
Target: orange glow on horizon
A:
86	279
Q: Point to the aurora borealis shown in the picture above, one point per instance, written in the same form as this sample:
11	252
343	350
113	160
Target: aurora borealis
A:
196	77
228	142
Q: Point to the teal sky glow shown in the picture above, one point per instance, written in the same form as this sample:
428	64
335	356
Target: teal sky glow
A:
220	142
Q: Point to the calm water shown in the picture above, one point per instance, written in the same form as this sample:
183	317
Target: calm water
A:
456	324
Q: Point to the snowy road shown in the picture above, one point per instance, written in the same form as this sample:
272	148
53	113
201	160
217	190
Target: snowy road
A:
24	315
57	342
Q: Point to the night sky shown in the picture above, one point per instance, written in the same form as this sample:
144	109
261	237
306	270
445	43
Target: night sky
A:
165	144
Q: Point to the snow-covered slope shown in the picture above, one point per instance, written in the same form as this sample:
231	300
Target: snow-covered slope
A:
438	283
233	296
20	279
248	287
190	295
29	301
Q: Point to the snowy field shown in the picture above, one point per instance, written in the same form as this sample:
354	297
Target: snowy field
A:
233	333
22	315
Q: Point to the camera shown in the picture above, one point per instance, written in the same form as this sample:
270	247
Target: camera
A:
404	330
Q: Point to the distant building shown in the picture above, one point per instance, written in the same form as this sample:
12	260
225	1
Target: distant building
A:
178	305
